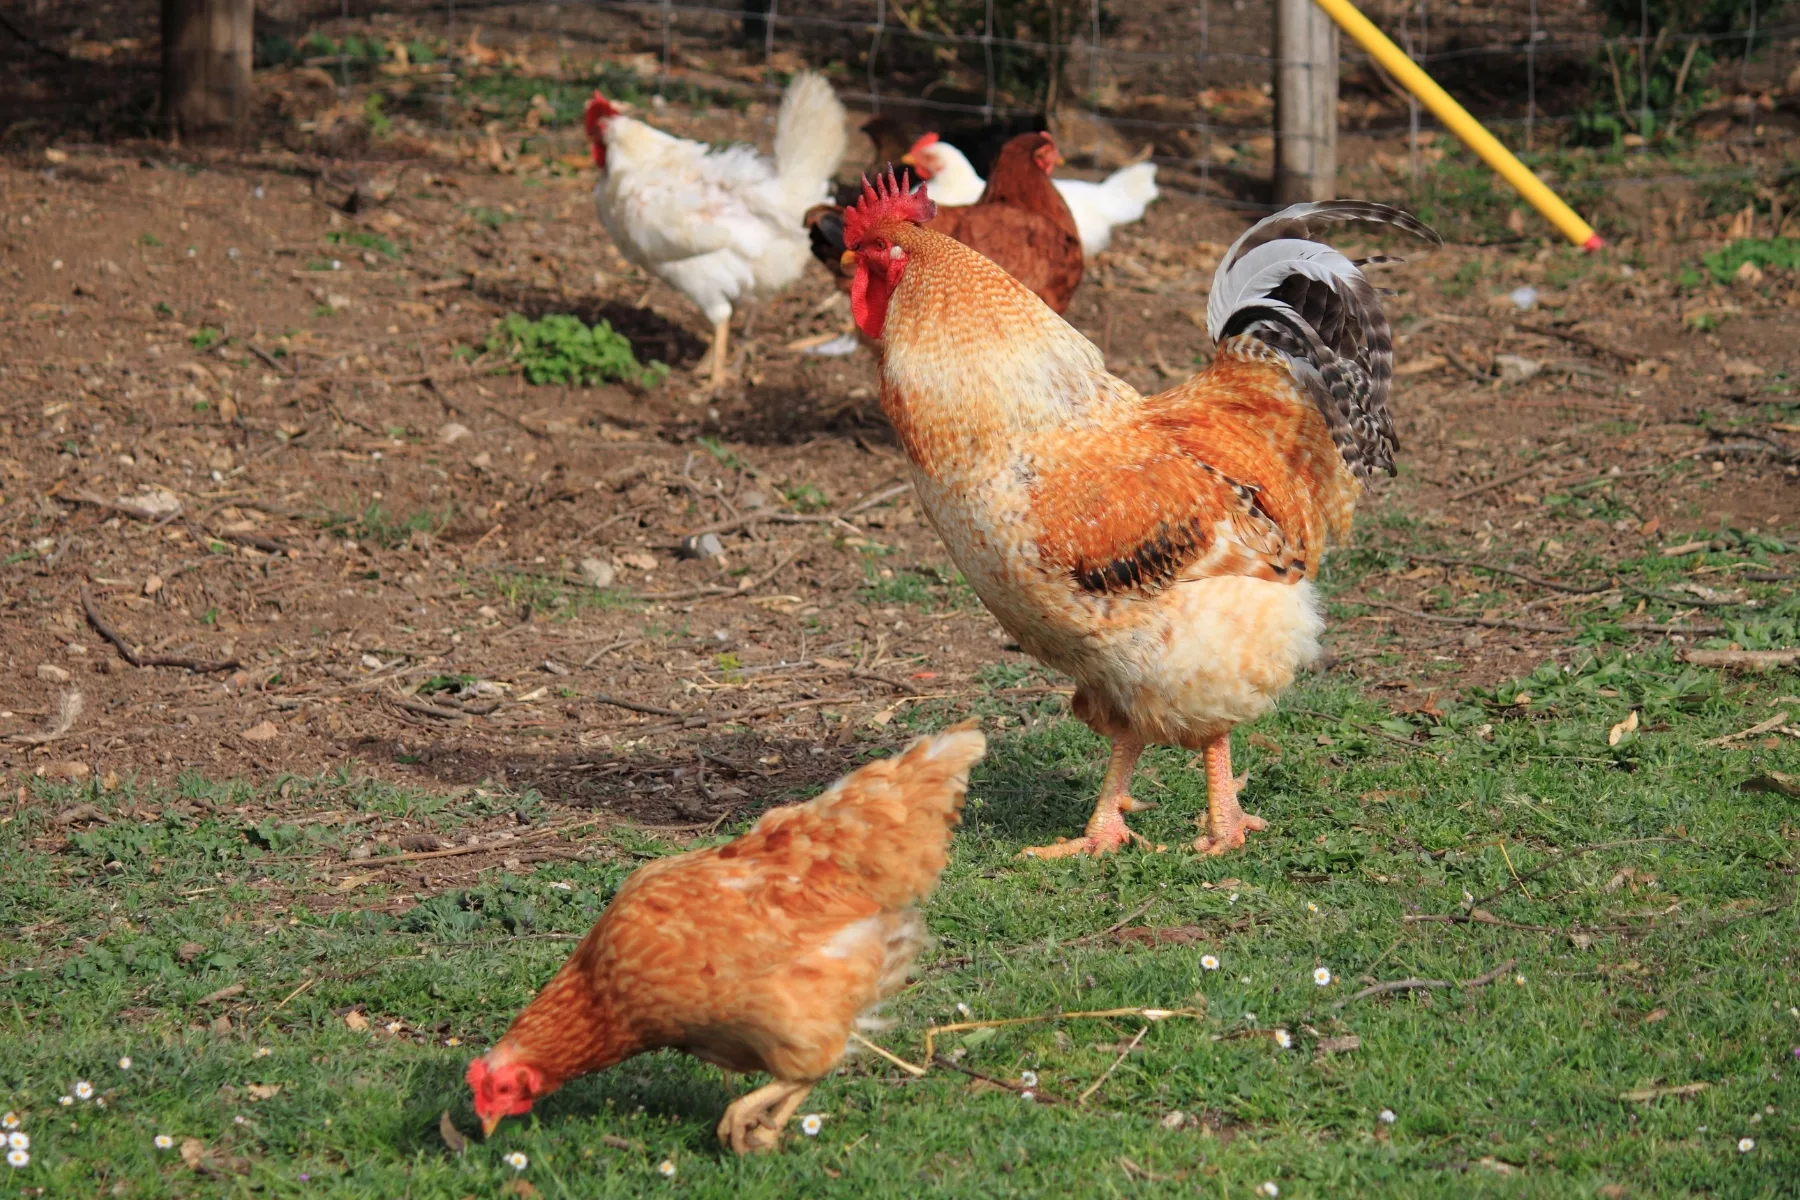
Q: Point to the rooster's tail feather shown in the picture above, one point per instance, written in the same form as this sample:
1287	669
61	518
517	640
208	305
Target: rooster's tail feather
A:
809	140
1283	286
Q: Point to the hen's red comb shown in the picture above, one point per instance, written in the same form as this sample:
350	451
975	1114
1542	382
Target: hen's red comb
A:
887	199
598	110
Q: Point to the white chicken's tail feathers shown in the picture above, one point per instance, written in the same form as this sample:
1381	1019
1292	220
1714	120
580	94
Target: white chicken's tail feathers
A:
809	141
1294	293
1130	190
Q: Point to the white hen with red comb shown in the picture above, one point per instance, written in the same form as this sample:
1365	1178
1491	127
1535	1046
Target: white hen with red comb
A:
720	226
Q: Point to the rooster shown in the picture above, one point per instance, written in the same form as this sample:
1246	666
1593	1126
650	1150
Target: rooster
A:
718	226
1098	208
758	955
1158	549
1020	222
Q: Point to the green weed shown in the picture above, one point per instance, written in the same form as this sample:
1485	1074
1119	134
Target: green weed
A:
1767	253
204	337
562	349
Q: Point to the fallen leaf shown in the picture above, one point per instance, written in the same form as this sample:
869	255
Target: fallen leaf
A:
453	1138
356	1021
1639	1095
193	1150
224	993
1623	729
153	505
518	1187
265	731
1340	1045
221	1025
1421	366
1655	1015
263	1091
350	883
1773	781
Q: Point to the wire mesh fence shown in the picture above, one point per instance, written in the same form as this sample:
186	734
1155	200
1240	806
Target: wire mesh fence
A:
1632	108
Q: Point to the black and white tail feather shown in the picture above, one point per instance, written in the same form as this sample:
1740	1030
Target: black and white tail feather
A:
1289	290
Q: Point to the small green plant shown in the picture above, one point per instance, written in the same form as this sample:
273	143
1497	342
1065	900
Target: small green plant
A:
727	459
493	218
162	309
149	239
210	617
204	337
379	123
324	310
363	239
383	528
1767	253
562	349
807	497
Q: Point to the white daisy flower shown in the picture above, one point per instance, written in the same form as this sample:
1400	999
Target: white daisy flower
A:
1028	1096
1519	980
125	1063
1249	1018
1284	1039
964	1011
84	1090
517	1161
1322	976
163	1141
452	1041
18	1158
239	1120
1028	1078
18	1140
1267	1188
1386	1116
1311	907
811	1123
9	1121
65	1101
262	1052
1746	1145
666	1169
1209	962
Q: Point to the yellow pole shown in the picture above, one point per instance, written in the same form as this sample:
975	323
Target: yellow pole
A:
1471	131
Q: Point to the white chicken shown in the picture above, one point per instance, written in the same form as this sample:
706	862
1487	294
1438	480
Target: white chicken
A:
717	225
1098	208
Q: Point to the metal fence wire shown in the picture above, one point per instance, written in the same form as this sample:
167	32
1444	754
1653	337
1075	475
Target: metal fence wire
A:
1603	106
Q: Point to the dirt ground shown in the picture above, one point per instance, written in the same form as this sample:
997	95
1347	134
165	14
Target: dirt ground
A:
233	436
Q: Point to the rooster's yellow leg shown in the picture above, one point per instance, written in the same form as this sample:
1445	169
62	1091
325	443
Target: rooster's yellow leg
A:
1226	823
1106	829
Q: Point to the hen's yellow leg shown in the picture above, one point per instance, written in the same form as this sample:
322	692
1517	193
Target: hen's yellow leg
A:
1226	823
1106	830
753	1122
721	338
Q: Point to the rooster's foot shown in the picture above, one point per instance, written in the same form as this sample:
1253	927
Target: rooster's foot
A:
752	1123
1106	832
1228	834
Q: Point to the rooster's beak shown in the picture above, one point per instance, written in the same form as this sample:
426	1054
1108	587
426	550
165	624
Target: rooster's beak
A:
1060	160
907	160
488	1125
848	261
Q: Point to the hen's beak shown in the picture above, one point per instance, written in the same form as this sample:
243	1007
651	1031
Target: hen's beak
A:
848	260
489	1124
1060	160
907	160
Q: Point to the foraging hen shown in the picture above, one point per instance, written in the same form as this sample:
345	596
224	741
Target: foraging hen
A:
758	955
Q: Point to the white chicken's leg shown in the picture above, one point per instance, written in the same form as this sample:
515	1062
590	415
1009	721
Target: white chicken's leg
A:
721	336
1226	823
1106	829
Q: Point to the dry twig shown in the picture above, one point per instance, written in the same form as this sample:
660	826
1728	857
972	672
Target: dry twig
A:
131	655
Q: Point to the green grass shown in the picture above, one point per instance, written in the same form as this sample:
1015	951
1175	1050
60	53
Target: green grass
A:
1779	253
1666	955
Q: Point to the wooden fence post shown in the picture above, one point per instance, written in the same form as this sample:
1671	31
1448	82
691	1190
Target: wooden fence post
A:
207	50
1306	93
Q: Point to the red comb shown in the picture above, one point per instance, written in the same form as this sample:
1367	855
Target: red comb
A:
925	139
887	199
598	110
477	1074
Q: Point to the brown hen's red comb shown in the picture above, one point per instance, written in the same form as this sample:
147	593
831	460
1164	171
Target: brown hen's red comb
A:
887	199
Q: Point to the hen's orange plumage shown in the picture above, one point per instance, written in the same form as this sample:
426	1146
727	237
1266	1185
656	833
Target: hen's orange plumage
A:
1021	223
1157	549
758	955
